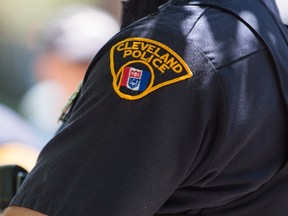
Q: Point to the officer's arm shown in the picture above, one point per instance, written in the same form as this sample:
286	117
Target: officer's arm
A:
16	211
126	148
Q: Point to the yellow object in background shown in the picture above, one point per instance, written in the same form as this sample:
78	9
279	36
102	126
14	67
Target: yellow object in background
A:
18	154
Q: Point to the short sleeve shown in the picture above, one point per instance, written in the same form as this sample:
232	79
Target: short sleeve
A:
150	113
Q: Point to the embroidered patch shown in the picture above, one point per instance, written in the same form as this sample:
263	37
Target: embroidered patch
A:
139	66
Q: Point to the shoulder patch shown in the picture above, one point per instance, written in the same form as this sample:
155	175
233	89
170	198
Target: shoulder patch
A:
140	66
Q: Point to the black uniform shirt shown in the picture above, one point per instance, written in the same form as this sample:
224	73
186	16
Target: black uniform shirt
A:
180	113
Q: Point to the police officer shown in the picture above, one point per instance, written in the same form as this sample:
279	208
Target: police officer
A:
184	112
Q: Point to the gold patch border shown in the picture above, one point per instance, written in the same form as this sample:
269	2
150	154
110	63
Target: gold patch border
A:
150	88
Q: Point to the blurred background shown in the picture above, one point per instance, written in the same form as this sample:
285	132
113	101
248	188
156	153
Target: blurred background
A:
45	49
18	22
283	9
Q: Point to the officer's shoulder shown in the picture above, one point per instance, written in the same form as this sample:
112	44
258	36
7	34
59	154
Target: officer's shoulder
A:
223	37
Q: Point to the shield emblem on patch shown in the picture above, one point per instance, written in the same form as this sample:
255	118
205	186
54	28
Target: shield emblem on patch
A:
135	79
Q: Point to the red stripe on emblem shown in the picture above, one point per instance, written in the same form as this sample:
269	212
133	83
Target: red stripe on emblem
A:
125	76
